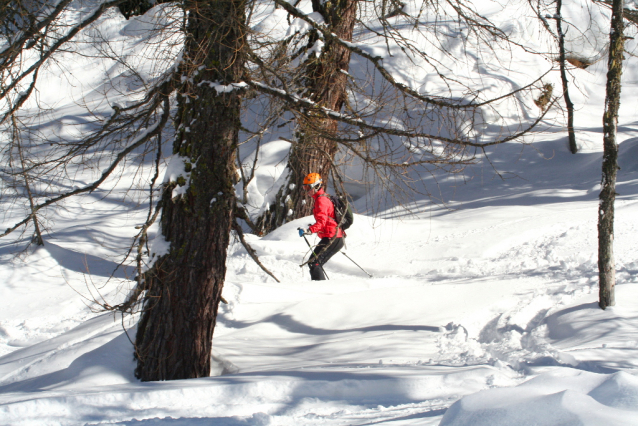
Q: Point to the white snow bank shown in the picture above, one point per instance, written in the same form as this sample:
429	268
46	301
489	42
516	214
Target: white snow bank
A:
560	397
96	353
278	397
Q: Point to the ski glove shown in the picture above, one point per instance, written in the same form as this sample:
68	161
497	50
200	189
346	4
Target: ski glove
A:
303	232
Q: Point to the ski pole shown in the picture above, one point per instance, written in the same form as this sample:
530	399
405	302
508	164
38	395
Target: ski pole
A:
313	252
357	264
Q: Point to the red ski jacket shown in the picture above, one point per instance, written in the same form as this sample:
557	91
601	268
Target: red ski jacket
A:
324	212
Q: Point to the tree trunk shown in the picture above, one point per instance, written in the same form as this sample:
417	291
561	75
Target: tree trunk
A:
563	76
175	332
37	235
325	83
606	263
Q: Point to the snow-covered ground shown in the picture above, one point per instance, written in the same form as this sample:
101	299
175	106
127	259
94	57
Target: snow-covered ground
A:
482	311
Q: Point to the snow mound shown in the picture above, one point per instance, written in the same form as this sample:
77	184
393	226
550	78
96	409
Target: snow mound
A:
564	396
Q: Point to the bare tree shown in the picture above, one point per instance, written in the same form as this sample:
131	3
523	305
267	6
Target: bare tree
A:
16	141
563	77
539	8
606	262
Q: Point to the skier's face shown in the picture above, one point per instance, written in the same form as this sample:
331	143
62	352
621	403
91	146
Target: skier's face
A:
309	189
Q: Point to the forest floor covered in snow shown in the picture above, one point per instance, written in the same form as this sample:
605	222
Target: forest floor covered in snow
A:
498	296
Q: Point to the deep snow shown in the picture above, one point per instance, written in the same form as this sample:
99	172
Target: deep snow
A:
481	310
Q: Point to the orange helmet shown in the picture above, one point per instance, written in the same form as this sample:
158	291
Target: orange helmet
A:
312	179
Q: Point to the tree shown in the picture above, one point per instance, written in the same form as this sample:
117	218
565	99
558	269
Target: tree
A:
562	63
606	262
183	289
323	81
563	76
16	144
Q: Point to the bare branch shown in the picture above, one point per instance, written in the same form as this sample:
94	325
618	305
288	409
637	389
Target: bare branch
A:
140	140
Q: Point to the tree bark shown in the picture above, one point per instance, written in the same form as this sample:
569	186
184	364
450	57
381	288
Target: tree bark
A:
563	76
606	263
325	83
183	289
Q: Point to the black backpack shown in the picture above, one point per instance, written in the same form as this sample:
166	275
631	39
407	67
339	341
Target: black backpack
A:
343	211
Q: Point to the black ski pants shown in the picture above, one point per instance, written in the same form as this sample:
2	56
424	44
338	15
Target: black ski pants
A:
326	248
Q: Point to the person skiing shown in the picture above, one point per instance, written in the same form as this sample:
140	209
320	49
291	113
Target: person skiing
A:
325	227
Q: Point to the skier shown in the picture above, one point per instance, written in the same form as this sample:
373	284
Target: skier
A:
325	227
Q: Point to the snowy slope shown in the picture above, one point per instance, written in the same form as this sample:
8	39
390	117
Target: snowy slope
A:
481	310
401	347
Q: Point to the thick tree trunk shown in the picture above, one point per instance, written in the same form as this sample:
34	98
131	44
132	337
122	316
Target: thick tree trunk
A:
175	332
325	84
563	76
606	263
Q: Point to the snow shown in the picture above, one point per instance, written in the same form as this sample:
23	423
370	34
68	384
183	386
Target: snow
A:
301	27
558	397
482	309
